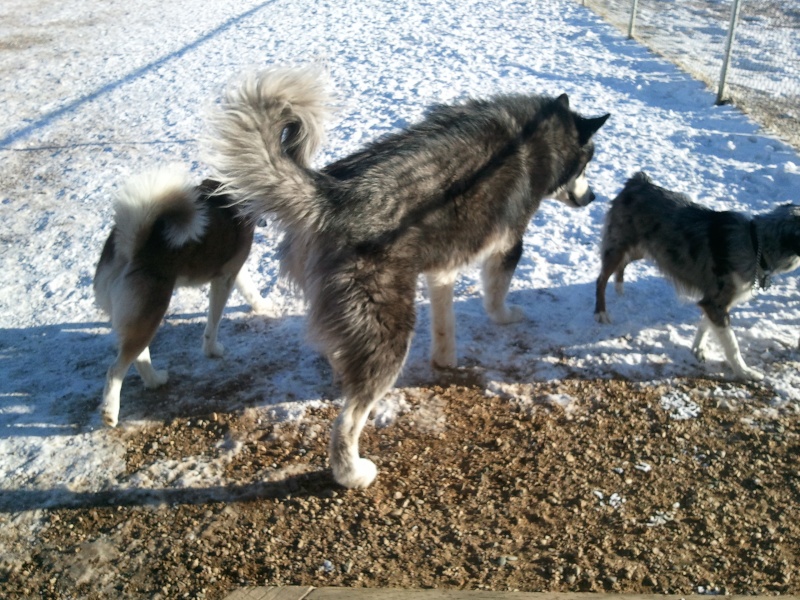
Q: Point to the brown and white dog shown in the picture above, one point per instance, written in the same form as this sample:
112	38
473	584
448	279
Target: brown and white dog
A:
168	232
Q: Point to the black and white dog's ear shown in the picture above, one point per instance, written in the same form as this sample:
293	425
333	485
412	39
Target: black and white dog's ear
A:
588	127
563	100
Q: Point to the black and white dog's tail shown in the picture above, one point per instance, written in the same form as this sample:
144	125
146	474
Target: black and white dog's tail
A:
263	135
163	202
636	182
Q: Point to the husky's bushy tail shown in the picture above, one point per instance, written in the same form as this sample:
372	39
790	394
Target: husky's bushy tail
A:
263	135
161	202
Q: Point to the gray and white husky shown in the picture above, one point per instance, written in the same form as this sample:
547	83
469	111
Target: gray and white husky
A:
719	257
458	187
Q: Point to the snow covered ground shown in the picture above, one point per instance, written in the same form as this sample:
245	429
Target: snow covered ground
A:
93	92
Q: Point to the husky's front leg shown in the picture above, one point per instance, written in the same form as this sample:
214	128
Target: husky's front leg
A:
496	275
249	291
443	320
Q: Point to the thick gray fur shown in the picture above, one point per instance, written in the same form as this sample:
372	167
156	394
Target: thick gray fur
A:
459	186
718	257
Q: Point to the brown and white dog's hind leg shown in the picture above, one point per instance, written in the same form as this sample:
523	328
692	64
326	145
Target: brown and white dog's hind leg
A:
443	321
151	377
136	325
218	295
496	274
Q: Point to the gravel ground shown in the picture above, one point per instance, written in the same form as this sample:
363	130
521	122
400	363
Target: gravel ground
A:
569	486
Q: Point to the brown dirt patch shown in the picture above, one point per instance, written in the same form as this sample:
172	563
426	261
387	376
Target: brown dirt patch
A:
476	492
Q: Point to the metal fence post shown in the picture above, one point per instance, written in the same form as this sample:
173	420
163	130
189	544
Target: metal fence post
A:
728	50
632	22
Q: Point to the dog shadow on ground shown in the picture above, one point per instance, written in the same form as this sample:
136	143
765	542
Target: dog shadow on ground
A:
52	376
560	324
317	483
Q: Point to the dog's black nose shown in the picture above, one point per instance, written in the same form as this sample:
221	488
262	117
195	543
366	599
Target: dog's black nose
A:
590	197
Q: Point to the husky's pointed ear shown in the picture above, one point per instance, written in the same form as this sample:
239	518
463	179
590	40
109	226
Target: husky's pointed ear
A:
588	127
563	100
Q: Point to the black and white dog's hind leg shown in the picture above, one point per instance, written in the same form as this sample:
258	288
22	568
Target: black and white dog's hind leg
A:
218	294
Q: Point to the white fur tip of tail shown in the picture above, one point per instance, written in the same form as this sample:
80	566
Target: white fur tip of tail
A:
148	186
146	196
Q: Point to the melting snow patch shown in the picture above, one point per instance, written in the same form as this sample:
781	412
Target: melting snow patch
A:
679	406
660	518
523	394
614	500
390	407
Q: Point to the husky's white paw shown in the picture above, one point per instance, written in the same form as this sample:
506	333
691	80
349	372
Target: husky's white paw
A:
154	379
213	349
602	317
358	476
619	287
109	416
508	314
444	359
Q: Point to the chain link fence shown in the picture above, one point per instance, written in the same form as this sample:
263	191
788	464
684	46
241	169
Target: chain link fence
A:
762	75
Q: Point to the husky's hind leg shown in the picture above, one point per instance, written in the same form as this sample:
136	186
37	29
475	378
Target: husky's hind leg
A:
496	274
365	325
619	274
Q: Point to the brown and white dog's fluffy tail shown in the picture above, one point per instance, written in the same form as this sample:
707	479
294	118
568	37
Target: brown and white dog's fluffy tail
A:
164	202
264	133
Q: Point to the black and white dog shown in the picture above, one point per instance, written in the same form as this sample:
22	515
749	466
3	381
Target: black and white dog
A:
458	187
718	257
168	232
